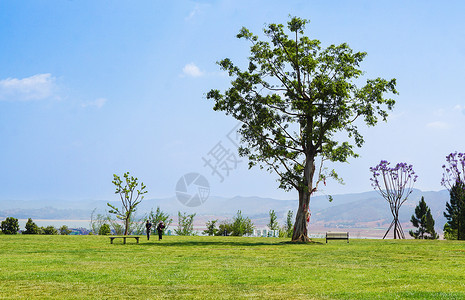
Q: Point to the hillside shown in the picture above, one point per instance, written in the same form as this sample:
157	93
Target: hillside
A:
362	210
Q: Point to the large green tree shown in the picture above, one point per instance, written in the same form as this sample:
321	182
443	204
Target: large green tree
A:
292	100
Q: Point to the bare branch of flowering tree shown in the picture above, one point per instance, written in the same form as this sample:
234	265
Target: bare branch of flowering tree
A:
395	185
454	170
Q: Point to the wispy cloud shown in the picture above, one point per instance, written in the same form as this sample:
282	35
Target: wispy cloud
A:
36	87
438	125
98	103
192	70
460	108
193	13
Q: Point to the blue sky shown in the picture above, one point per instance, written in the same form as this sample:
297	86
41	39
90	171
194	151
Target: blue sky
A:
92	88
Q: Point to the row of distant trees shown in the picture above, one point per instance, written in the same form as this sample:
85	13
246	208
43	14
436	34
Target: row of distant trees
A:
11	226
395	184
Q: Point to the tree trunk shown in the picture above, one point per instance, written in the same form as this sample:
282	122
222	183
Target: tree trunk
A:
126	226
300	233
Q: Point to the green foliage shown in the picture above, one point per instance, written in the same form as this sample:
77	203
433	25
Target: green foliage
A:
455	210
293	99
238	226
32	228
131	194
273	224
64	230
288	227
10	226
423	220
449	233
104	229
211	228
157	216
224	229
185	224
241	225
49	230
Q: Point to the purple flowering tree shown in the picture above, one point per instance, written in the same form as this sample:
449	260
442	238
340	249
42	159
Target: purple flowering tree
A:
395	185
454	170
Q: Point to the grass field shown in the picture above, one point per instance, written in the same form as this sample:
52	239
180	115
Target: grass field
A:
76	267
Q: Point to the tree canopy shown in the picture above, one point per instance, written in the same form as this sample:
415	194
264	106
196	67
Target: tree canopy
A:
292	99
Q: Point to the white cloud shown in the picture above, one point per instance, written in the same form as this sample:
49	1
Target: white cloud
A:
99	102
36	87
193	13
460	108
438	125
192	70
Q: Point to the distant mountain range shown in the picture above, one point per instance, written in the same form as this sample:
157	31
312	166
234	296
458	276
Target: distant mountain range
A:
362	210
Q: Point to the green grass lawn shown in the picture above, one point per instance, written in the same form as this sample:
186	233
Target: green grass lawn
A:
76	267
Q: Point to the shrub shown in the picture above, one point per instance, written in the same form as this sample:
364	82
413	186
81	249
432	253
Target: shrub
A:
50	230
211	228
104	229
241	226
64	230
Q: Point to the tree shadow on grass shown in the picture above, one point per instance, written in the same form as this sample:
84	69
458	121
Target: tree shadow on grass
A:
200	243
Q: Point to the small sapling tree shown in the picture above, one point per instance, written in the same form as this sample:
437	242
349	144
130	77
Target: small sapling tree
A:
423	220
131	194
395	185
293	98
273	224
158	215
211	228
241	225
288	226
185	224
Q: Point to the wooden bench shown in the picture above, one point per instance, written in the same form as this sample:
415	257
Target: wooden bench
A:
337	236
124	238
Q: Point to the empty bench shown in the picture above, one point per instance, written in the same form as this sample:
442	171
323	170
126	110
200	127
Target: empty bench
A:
337	236
124	238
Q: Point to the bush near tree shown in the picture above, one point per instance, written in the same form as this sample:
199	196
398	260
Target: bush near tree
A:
10	226
423	220
104	229
49	230
211	228
64	230
185	224
241	225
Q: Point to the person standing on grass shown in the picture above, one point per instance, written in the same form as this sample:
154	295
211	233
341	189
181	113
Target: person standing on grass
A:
148	227
160	228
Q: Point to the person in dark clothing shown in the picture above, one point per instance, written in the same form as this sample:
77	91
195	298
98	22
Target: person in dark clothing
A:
148	227
160	228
